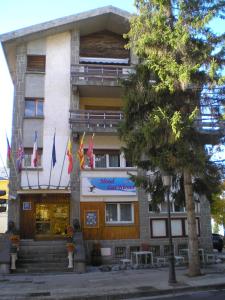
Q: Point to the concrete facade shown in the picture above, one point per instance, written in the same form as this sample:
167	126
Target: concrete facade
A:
60	42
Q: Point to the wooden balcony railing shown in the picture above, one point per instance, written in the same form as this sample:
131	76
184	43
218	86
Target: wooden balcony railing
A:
95	119
99	73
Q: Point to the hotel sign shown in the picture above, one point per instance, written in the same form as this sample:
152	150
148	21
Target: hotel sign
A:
108	186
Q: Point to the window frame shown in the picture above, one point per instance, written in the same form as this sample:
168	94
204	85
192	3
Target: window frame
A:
184	228
118	205
28	154
40	63
36	100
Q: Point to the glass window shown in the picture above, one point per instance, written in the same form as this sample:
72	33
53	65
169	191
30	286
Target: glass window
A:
178	208
158	228
34	107
125	212
111	213
40	108
27	162
100	160
119	213
114	160
29	108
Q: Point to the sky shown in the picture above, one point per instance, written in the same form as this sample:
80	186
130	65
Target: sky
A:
16	14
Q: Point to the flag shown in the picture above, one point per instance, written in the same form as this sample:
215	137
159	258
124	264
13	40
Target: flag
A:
90	153
70	157
80	152
8	150
19	158
34	159
53	152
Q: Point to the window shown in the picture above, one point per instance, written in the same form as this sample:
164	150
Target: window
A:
120	252
179	227
100	161
158	228
107	159
28	158
34	107
36	63
119	213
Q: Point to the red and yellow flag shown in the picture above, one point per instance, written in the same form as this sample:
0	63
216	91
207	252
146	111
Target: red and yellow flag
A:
70	156
90	153
80	152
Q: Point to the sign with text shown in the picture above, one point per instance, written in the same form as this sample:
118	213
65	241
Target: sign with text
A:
109	186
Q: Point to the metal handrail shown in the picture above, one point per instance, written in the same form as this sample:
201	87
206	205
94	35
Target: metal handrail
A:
100	72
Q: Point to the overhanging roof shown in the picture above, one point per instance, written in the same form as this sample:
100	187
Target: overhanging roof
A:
105	18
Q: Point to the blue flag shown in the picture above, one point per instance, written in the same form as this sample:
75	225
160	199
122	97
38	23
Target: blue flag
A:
53	153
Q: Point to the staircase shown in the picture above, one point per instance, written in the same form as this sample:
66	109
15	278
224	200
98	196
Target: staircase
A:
42	257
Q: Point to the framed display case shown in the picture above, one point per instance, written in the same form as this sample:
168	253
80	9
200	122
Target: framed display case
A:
91	218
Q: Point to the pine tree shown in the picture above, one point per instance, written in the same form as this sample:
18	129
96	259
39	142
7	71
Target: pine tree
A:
179	73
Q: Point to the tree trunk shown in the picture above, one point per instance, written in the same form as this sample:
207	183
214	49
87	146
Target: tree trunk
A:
193	256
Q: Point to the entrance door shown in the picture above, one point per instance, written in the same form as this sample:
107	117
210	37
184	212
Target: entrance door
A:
52	220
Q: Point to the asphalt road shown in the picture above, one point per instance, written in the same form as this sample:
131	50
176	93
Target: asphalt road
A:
205	295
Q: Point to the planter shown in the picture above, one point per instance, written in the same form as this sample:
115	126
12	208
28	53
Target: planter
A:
70	257
70	231
15	241
70	247
13	261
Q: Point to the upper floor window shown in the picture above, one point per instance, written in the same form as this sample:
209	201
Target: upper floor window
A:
107	160
36	63
27	163
34	107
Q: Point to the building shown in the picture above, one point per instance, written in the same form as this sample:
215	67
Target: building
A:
4	204
66	76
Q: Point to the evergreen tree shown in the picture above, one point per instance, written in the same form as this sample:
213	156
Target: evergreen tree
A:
179	73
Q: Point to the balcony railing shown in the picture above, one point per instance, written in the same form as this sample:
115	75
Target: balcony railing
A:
97	120
102	74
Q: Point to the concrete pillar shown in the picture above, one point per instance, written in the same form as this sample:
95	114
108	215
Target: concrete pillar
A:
205	225
74	104
143	212
18	113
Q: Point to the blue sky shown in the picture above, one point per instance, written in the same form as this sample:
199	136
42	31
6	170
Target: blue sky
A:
16	14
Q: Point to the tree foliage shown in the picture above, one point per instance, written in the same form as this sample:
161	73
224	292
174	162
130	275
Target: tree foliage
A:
177	79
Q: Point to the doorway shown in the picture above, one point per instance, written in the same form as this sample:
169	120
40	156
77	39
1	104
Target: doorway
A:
51	220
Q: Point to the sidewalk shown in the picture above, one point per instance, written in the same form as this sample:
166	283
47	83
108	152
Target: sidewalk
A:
107	285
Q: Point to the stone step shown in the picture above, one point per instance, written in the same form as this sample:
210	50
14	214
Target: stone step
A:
41	269
37	250
42	256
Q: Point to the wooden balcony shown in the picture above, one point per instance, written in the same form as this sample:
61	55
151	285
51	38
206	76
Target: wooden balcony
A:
95	121
104	75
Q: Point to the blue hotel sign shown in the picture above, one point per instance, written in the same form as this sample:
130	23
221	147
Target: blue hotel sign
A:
108	186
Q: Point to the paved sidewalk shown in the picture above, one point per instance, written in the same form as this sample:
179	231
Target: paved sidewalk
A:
107	285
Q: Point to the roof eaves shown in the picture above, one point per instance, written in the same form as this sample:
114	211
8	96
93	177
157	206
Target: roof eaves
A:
63	21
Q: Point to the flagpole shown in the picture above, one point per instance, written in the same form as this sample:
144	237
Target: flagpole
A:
14	166
4	166
50	175
63	162
28	182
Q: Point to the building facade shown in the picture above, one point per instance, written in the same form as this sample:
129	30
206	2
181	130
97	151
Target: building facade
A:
66	75
4	182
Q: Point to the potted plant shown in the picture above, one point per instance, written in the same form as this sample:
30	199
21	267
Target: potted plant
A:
70	231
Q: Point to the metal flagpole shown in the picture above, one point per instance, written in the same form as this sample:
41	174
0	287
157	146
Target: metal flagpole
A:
28	182
63	162
4	166
50	175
